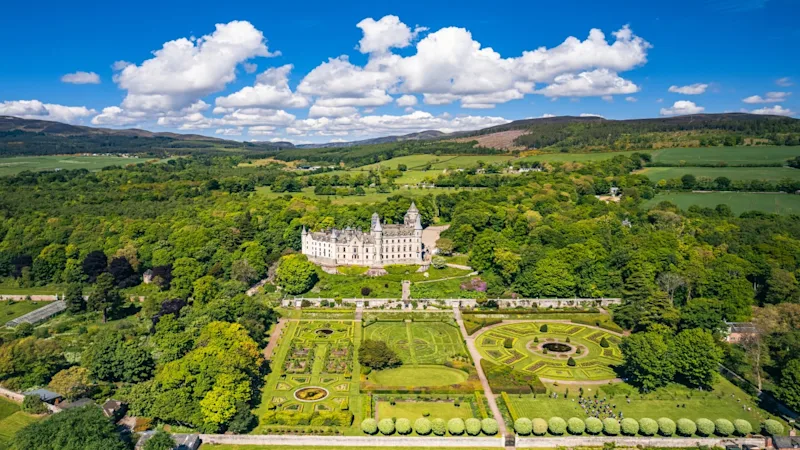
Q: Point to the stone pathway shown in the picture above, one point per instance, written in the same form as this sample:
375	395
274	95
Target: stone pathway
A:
274	338
406	290
459	266
476	357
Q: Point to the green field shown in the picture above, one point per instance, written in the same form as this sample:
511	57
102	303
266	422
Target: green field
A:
419	343
674	402
11	421
17	164
576	157
524	346
418	376
734	173
739	202
438	162
732	156
372	195
10	310
413	410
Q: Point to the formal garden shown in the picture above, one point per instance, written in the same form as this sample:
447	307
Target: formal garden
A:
553	350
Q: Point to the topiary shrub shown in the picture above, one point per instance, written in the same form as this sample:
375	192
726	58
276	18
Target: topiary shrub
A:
648	427
610	427
438	262
539	427
594	425
629	426
743	427
456	426
686	427
403	426
369	426
523	426
422	426
723	427
571	362
557	426
386	426
772	427
604	342
705	427
575	426
489	426
666	426
473	426
439	427
543	328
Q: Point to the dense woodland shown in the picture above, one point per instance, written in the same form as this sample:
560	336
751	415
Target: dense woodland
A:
190	353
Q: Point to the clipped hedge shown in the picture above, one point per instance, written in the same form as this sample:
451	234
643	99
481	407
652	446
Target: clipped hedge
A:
439	427
539	427
666	426
723	427
557	426
523	426
772	427
594	425
489	426
369	426
743	427
629	426
386	426
422	426
575	426
611	427
705	427
403	426
648	427
686	427
473	426
456	426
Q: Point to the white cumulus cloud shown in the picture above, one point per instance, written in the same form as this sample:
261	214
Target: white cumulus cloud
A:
406	100
270	91
388	32
682	107
784	82
692	89
776	110
35	109
81	78
600	82
769	97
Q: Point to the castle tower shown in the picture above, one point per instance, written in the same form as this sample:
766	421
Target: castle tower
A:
377	233
303	237
410	219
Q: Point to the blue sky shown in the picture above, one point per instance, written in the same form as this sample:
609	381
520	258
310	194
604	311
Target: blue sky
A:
325	71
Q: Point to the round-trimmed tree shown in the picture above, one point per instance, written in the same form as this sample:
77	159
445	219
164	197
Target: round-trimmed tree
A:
610	427
369	425
403	426
489	426
575	426
648	427
629	426
743	427
422	426
666	426
539	427
456	426
523	426
295	274
439	427
686	427
723	427
594	425
705	427
473	426
557	426
386	426
772	427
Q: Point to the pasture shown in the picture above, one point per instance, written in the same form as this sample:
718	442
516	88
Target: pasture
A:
731	156
546	349
739	202
772	174
17	164
439	162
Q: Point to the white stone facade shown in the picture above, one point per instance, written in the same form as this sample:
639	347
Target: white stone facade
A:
383	245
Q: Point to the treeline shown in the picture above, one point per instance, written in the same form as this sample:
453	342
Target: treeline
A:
689	182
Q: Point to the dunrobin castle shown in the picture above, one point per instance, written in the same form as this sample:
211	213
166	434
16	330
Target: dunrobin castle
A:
383	245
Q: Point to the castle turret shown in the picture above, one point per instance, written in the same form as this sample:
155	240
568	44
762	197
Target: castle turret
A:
303	237
411	215
377	233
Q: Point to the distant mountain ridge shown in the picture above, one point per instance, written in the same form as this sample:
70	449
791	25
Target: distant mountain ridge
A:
418	136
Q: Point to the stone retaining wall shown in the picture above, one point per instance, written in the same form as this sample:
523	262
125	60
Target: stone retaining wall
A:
353	441
622	441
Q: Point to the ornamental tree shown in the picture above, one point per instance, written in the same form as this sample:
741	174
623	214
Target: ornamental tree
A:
594	425
648	427
705	427
629	426
557	426
743	427
386	426
523	426
772	427
295	274
611	427
724	427
473	426
369	425
403	426
686	427
666	426
539	426
456	426
439	427
489	426
422	426
575	426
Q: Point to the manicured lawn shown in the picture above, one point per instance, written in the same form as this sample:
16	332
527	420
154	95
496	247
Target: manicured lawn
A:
413	410
734	173
739	202
674	402
524	346
387	286
419	342
731	156
11	309
7	408
9	426
418	376
17	164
